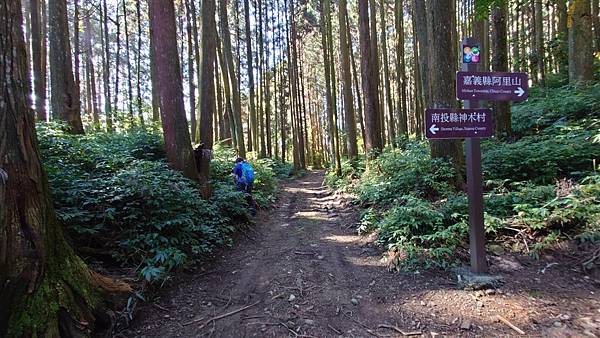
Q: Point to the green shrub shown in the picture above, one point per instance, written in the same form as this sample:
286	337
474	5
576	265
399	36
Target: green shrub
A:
404	171
543	158
546	107
118	198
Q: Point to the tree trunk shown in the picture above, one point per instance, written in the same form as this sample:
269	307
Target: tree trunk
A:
338	163
117	58
45	289
175	128
581	60
539	42
138	69
38	58
207	94
500	64
129	82
228	128
442	71
65	94
236	106
375	81
401	70
596	24
106	66
190	64
347	83
373	140
386	76
423	45
89	61
253	121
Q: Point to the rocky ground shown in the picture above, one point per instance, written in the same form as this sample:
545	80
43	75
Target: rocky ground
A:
304	272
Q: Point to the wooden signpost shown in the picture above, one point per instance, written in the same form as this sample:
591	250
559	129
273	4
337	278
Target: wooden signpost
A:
473	123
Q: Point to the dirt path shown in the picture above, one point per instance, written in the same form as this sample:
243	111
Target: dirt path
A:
305	273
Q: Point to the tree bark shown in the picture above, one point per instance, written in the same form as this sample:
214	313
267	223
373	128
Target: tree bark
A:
89	61
128	55
581	60
138	69
106	65
45	289
500	64
351	141
596	24
401	69
373	141
236	104
38	39
175	128
442	71
64	92
207	94
539	42
190	64
386	76
253	143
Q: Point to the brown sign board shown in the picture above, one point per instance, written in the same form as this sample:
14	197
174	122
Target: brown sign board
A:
492	86
458	123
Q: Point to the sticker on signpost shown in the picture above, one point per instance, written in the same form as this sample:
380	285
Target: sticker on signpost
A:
492	86
458	123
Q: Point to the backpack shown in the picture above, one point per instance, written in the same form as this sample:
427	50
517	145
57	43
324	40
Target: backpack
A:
247	173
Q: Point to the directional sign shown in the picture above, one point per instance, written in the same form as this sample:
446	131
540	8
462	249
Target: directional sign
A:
492	86
458	123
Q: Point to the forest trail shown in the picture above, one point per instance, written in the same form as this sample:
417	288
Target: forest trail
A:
303	272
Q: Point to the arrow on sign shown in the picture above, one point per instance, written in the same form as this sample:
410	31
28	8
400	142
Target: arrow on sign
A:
434	129
519	92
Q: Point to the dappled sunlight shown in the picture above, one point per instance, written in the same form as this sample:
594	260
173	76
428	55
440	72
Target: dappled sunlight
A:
342	239
367	261
311	215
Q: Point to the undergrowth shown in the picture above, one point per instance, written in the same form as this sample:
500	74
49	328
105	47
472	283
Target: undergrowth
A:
542	184
121	203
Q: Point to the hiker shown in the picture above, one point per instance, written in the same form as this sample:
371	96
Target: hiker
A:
243	176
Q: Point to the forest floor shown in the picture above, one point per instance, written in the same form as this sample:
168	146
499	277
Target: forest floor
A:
304	272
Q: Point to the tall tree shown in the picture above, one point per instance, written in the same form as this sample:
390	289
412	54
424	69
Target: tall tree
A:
581	61
37	266
207	93
228	56
373	140
175	128
442	70
401	69
128	61
386	75
500	64
138	69
38	56
106	66
190	63
253	120
347	83
91	73
64	92
539	41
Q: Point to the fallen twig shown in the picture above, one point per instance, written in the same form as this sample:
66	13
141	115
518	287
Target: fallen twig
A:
220	316
595	256
509	324
304	253
400	331
161	307
334	329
